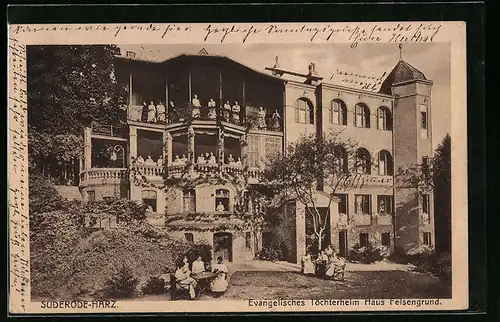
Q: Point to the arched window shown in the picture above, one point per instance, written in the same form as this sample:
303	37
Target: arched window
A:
363	161
385	164
149	198
189	237
384	118
189	200
338	112
361	115
221	200
340	160
304	111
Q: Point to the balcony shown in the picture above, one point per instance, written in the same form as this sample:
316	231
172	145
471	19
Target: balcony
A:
384	219
362	219
103	176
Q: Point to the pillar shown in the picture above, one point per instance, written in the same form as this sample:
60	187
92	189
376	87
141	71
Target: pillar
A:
220	145
132	143
87	148
167	151
191	150
243	149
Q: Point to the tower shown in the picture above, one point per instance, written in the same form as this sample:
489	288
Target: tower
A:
412	146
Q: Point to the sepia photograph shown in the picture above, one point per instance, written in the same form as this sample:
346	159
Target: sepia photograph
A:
278	174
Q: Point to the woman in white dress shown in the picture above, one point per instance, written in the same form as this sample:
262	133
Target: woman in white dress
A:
335	261
198	266
182	275
219	284
308	265
152	112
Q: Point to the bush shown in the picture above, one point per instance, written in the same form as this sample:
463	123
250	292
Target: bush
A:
121	284
438	265
154	285
276	250
366	255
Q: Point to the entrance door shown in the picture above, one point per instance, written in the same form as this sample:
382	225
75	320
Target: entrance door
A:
223	246
343	243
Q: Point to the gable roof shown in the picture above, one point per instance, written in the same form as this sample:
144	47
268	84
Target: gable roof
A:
402	72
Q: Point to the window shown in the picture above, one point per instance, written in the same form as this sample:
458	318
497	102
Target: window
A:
91	196
385	164
290	210
363	239
384	118
253	151
189	200
340	160
363	161
342	203
425	166
304	111
338	113
149	198
221	200
189	237
362	203
424	121
386	239
384	204
361	115
426	207
427	239
272	147
248	240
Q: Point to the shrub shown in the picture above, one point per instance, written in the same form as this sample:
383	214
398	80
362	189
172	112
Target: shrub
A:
154	285
121	284
438	265
275	250
366	255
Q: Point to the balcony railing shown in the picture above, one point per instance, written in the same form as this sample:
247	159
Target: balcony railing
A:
108	130
384	219
362	219
103	176
150	170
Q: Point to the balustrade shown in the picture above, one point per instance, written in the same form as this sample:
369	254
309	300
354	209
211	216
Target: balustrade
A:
103	176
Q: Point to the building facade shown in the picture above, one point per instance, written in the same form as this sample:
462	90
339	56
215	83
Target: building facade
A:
200	128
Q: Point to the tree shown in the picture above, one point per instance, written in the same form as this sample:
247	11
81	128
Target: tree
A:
312	165
434	176
69	88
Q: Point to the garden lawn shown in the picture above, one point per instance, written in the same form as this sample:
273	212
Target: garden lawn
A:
357	285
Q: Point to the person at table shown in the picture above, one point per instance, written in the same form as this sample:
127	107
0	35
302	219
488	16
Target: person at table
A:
334	262
151	112
220	207
198	266
140	160
329	251
149	160
219	284
160	112
182	275
307	264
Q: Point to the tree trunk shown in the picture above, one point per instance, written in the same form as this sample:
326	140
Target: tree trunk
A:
319	240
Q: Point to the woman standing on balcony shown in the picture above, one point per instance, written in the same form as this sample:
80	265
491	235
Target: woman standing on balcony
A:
160	110
152	112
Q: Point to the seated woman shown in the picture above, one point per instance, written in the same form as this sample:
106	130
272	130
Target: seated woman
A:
335	262
307	264
198	266
219	284
182	275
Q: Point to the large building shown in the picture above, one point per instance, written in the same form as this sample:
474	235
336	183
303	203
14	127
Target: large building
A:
192	116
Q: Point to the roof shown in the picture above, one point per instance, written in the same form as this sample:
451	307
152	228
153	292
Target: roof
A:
402	72
202	55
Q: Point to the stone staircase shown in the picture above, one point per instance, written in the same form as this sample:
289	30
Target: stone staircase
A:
69	192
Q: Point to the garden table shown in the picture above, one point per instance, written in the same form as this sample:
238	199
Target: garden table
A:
204	279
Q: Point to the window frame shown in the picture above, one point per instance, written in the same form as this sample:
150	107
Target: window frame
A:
189	237
90	193
427	236
384	114
191	198
363	115
388	201
388	239
222	197
363	239
337	106
363	155
155	207
388	168
367	203
307	108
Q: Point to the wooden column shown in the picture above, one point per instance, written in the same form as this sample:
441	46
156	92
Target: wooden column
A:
87	149
167	151
132	143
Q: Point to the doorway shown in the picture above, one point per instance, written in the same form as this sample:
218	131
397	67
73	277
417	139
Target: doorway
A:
343	243
223	246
